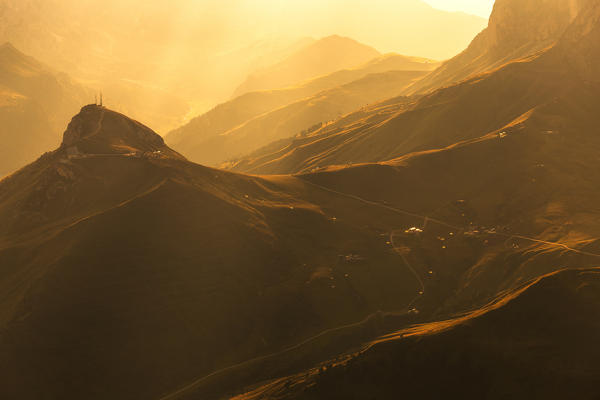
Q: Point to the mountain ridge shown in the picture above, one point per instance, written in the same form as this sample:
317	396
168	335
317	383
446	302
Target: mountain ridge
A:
474	107
201	138
438	245
316	255
514	31
36	103
327	55
74	226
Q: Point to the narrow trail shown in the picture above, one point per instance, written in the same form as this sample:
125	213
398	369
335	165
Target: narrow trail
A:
414	272
426	220
185	390
56	228
100	122
146	192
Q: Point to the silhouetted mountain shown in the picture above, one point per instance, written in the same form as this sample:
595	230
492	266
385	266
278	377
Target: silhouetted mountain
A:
120	252
265	115
98	131
323	57
36	102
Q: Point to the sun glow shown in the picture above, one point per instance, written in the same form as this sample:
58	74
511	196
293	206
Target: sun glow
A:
163	62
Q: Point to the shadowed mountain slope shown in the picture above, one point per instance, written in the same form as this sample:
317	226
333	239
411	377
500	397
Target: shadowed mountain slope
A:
501	211
116	252
538	341
120	253
131	273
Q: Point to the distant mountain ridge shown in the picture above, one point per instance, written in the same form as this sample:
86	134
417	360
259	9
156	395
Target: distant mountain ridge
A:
323	57
161	66
487	102
56	92
319	100
35	104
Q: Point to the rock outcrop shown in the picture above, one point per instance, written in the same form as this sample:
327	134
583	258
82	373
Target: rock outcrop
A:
97	130
517	29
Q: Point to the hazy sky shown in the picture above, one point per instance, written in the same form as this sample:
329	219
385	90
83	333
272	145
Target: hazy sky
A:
170	52
477	7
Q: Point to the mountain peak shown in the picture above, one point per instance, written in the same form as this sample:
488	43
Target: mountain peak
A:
7	46
343	42
97	130
517	29
336	38
324	56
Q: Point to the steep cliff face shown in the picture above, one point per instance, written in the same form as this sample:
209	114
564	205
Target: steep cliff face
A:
533	22
517	29
581	43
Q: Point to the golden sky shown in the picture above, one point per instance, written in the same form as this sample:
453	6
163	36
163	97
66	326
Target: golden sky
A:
201	50
478	7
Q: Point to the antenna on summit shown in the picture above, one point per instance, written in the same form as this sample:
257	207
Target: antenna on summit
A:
96	99
101	100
